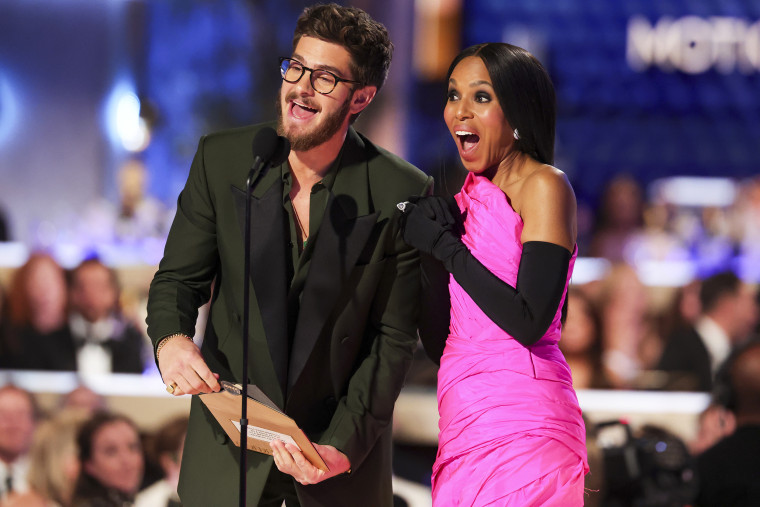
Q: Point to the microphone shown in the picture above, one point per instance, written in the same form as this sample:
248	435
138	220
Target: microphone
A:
268	149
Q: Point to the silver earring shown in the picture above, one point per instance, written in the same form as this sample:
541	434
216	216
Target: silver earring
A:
516	134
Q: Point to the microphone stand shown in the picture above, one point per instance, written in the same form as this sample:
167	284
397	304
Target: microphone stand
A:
249	184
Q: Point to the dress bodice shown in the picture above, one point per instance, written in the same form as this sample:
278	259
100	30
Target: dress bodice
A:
493	234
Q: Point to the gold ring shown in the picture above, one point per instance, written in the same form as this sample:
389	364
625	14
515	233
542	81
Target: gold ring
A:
171	387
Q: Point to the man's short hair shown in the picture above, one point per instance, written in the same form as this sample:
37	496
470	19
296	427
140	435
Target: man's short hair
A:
365	39
715	287
744	378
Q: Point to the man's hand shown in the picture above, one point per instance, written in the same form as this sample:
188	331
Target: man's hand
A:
182	365
291	461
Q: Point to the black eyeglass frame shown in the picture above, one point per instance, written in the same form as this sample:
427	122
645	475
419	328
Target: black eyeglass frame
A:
304	68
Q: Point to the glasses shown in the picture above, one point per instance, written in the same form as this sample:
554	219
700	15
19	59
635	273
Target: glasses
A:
323	81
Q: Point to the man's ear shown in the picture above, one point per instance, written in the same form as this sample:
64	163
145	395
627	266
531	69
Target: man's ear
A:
362	98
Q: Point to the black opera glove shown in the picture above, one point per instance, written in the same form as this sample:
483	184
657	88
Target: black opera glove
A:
432	225
443	210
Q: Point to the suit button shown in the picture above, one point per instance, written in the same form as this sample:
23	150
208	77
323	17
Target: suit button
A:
344	339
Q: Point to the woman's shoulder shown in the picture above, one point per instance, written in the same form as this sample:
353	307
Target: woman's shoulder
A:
543	185
546	178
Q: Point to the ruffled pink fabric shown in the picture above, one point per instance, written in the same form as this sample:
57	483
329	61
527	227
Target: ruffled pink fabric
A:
511	431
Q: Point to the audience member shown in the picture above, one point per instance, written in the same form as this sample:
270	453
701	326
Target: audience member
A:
581	341
729	470
53	464
37	336
631	344
140	214
165	448
728	316
715	245
620	217
18	419
83	399
105	341
137	216
112	462
682	310
715	422
656	241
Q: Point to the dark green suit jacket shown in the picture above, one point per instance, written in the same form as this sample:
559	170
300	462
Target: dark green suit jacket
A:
355	332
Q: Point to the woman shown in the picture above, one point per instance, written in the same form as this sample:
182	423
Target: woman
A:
511	431
37	335
581	342
112	462
54	463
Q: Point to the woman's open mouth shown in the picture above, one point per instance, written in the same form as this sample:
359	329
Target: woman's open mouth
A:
467	141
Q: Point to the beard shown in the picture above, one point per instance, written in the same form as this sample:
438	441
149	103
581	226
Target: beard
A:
317	134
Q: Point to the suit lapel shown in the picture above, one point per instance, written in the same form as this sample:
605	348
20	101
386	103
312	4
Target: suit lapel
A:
346	226
268	264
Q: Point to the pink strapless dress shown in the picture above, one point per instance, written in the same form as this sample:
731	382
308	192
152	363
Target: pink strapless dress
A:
511	431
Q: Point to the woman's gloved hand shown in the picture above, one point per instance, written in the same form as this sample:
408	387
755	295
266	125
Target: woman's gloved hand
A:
432	225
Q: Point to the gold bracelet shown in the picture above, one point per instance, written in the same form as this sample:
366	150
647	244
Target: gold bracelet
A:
165	340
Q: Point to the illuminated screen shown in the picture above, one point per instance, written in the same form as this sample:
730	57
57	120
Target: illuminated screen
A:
649	88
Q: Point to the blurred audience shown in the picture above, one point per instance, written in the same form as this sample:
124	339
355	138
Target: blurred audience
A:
581	341
746	215
729	313
83	399
656	241
53	464
630	341
682	311
137	216
619	218
18	420
165	449
105	340
37	336
112	462
730	469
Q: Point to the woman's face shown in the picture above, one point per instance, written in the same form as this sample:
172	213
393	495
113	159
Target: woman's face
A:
475	118
117	459
46	290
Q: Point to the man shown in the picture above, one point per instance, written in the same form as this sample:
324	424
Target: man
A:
105	341
729	314
18	419
334	290
729	470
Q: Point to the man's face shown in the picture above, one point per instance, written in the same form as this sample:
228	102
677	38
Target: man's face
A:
16	424
93	293
307	118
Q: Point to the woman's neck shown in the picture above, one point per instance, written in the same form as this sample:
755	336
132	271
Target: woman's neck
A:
510	170
514	168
